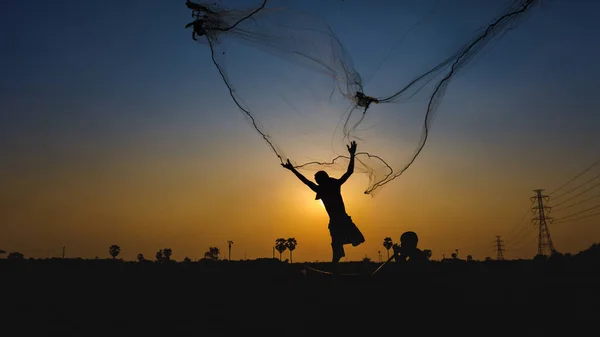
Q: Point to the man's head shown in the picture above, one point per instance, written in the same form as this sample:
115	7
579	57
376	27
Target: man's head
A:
321	177
409	240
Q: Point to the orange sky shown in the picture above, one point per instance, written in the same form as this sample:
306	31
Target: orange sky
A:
453	197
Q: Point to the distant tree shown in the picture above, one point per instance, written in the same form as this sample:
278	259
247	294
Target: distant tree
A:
454	256
212	253
366	259
167	254
2	252
114	251
469	258
216	252
388	244
140	257
540	257
291	244
487	258
592	253
187	260
556	256
427	253
160	257
15	256
280	246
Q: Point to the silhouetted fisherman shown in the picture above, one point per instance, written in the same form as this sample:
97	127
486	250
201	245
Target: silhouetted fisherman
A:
341	228
407	250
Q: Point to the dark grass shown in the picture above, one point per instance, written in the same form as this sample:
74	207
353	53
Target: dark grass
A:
269	298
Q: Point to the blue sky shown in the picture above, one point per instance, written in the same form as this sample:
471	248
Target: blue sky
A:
122	62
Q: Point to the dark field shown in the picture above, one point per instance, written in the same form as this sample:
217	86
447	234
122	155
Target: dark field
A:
269	298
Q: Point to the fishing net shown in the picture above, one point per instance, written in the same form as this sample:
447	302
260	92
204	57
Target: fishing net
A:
296	83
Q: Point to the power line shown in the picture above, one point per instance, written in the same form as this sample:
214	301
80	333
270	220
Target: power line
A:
514	237
527	242
521	220
575	177
526	235
525	226
576	195
580	218
578	186
580	212
579	202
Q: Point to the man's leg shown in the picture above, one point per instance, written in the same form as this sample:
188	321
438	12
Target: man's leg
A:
338	251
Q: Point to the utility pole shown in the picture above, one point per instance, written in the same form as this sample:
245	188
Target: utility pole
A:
273	251
544	239
499	248
229	243
63	254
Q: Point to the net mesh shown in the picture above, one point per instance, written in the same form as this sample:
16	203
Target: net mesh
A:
297	85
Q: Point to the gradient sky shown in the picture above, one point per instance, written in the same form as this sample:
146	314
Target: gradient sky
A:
117	129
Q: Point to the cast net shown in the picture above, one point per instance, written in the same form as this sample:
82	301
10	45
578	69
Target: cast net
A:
296	83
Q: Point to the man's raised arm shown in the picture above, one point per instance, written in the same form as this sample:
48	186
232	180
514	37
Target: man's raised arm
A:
352	150
302	178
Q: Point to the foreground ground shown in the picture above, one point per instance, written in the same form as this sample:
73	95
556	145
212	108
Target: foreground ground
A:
267	298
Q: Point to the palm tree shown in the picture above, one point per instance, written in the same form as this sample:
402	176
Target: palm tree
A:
229	243
388	244
395	248
114	251
212	253
280	245
215	252
291	245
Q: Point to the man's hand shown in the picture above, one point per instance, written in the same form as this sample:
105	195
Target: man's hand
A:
352	148
288	165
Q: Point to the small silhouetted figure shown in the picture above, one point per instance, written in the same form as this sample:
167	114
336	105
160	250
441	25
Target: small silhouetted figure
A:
407	250
341	228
